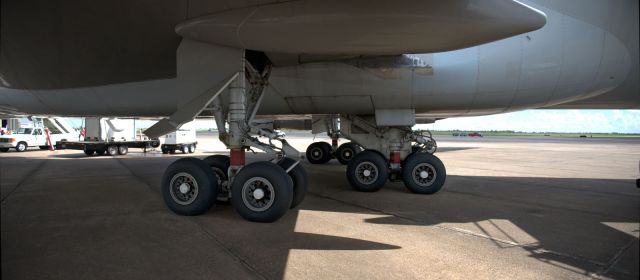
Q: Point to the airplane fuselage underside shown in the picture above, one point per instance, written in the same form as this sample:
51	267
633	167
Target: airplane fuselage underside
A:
567	60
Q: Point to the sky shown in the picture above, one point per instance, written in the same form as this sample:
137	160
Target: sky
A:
579	121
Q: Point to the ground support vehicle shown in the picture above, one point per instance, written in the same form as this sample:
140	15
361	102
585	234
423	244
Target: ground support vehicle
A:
183	140
111	148
37	134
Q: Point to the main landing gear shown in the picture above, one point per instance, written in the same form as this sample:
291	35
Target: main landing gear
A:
392	153
323	152
261	191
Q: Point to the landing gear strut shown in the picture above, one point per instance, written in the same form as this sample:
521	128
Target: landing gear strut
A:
392	153
261	191
323	152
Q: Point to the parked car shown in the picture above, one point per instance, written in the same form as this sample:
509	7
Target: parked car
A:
474	134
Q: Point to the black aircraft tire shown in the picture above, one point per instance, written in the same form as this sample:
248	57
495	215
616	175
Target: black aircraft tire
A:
319	152
299	178
347	152
219	164
189	187
262	192
423	173
368	171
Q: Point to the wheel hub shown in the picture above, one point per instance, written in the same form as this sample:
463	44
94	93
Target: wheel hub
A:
258	194
424	174
316	153
366	173
184	188
347	154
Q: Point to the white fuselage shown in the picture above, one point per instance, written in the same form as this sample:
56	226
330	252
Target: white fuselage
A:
578	54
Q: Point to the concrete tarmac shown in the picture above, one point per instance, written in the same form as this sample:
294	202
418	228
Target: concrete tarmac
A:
512	208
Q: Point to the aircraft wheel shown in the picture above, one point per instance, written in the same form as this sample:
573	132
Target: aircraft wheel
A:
123	150
100	152
219	164
262	192
192	148
189	187
21	147
298	177
185	149
423	173
368	171
4	150
319	152
347	151
112	150
89	152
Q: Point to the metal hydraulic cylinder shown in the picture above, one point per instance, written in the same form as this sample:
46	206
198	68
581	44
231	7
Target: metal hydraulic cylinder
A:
237	112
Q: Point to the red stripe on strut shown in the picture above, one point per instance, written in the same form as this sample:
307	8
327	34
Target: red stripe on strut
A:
237	157
395	157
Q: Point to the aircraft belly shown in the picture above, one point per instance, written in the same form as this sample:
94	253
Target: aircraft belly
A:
568	60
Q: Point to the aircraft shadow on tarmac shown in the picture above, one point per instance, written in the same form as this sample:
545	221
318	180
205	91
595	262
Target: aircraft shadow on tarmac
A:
566	229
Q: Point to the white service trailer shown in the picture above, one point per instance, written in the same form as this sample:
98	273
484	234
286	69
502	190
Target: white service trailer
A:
111	136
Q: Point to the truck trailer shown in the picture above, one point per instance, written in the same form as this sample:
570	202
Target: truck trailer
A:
109	136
